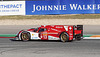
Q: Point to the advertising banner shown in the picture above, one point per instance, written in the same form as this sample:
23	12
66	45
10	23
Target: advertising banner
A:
44	7
40	7
12	7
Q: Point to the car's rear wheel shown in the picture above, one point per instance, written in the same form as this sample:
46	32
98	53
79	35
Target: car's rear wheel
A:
25	36
64	37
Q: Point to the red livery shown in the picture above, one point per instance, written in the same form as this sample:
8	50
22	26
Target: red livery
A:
52	32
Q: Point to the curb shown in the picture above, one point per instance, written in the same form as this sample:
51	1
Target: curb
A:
91	38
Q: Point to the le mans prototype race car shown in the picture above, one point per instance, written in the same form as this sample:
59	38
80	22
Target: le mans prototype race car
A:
63	33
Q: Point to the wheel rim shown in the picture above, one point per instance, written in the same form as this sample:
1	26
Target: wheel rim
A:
64	37
25	36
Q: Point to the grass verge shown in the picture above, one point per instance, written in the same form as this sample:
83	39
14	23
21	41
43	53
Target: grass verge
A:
7	35
67	16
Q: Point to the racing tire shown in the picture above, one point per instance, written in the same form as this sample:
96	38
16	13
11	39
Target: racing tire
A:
64	37
25	36
78	37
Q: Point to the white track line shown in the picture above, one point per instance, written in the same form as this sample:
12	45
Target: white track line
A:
91	38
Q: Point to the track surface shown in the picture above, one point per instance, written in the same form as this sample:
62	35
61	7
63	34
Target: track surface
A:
83	48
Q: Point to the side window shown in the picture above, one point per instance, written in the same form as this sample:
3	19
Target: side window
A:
42	29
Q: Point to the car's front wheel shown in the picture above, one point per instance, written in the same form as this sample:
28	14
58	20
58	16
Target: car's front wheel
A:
25	36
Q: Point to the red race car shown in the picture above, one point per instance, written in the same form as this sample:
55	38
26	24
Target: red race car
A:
52	32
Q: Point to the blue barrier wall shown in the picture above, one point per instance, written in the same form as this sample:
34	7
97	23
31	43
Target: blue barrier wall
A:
62	7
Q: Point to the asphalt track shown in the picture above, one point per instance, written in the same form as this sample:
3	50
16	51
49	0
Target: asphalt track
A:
83	48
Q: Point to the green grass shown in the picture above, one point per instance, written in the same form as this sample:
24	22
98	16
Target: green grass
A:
7	35
87	35
72	16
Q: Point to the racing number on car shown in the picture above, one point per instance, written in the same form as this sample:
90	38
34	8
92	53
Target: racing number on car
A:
45	35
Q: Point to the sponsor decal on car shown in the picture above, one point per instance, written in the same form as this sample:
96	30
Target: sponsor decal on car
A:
34	37
66	28
54	29
32	34
70	28
53	38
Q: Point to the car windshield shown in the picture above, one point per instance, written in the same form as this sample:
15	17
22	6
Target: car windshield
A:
36	29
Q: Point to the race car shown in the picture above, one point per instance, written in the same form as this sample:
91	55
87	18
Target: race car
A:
63	33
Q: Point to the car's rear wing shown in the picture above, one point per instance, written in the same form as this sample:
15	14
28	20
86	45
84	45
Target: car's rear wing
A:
78	28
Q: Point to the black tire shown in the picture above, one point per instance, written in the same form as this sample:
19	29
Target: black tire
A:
25	36
78	37
64	37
